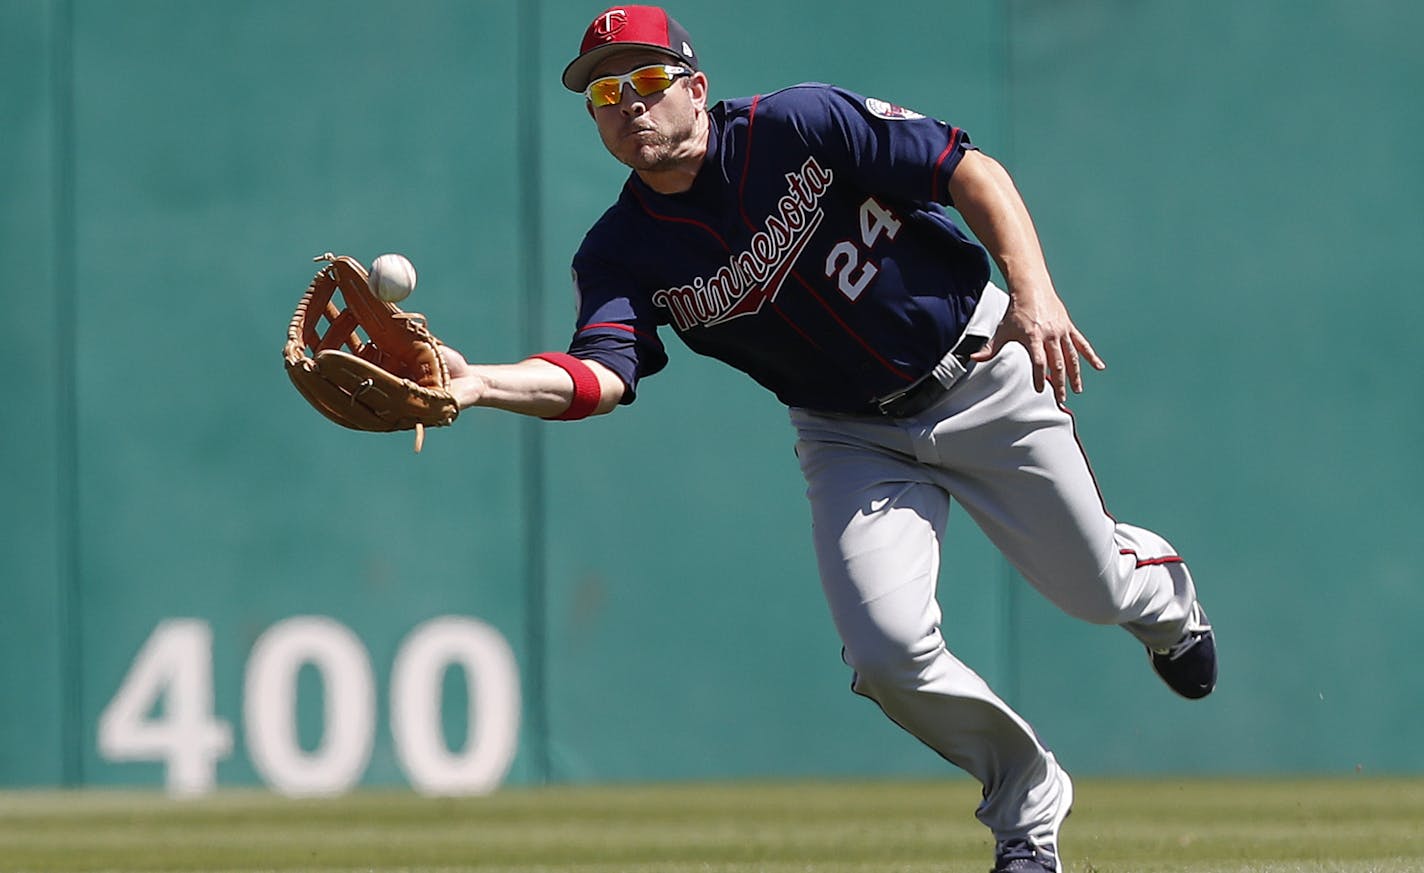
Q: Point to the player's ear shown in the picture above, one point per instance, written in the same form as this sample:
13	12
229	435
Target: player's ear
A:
697	82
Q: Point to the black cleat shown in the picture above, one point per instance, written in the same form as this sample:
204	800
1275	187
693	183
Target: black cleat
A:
1189	667
1020	856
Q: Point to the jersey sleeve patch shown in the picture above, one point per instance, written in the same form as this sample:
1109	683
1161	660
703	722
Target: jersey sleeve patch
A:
889	111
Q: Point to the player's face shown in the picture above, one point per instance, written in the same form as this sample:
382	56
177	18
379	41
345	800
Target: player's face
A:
655	132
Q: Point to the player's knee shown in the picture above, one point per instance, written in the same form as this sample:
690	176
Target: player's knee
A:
886	668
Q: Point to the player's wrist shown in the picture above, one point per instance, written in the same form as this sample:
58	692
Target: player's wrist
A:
468	388
1033	299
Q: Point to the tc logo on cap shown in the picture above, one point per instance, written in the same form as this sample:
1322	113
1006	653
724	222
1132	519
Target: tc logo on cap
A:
609	23
633	27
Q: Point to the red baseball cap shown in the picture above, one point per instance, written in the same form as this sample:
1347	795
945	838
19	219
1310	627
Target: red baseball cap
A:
619	28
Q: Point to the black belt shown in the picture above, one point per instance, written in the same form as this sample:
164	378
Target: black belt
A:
928	390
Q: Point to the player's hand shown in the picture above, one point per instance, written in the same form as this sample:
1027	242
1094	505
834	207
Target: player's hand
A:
464	383
1040	323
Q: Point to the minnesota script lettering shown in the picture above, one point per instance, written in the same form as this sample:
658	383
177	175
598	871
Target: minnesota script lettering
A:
752	277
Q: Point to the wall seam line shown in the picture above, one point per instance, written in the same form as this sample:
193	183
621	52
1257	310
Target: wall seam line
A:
534	443
66	406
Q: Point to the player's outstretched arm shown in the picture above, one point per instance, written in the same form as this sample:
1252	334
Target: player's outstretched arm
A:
986	196
530	387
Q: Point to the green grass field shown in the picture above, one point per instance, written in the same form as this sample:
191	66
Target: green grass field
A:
1118	826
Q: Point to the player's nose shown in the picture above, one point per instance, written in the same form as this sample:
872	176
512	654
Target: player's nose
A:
630	103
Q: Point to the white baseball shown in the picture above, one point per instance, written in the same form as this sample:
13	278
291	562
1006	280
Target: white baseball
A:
392	277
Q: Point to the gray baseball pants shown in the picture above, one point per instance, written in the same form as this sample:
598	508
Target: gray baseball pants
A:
880	492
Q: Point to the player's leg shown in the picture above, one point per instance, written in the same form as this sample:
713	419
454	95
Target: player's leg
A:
1012	458
877	523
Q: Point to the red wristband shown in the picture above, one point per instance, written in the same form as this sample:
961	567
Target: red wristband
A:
587	391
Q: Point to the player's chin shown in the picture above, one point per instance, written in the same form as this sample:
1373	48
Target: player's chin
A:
650	157
640	159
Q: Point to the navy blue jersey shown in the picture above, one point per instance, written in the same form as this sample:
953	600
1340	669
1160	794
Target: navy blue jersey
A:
810	253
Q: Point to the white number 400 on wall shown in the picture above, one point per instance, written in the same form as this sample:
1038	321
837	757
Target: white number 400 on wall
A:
175	666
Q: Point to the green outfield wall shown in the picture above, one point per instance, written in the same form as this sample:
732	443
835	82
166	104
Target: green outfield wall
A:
207	584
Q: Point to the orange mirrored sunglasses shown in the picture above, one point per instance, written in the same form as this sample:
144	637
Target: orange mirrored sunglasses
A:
647	81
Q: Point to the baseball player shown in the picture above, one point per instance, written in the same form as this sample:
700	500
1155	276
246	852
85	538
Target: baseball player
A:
799	236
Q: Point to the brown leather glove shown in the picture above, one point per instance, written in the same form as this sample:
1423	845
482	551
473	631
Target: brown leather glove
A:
392	379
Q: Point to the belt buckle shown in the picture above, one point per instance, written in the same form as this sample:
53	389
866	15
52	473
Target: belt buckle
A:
885	403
